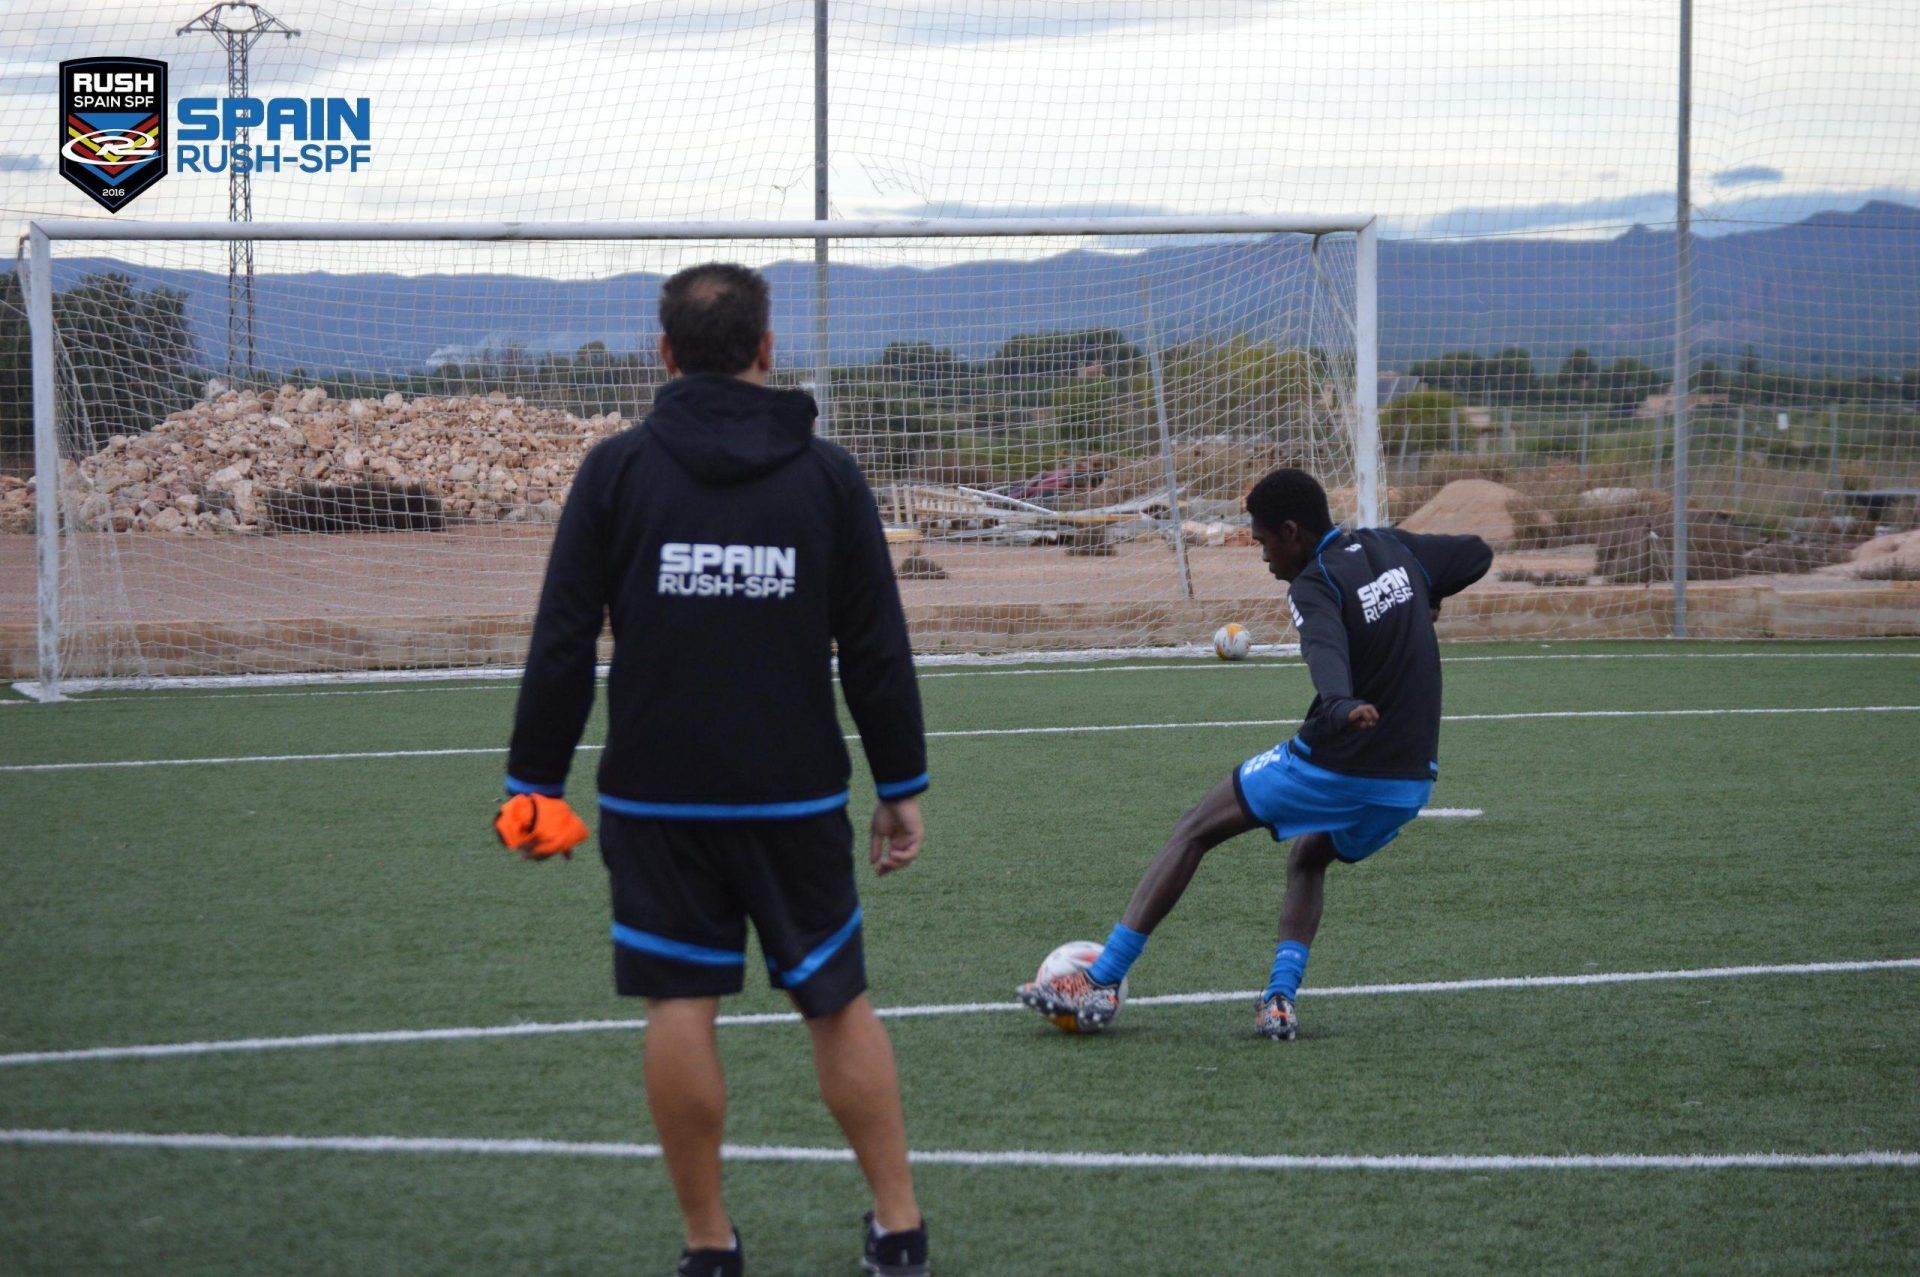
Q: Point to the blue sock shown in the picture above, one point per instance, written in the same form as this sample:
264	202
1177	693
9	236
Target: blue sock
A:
1289	967
1123	946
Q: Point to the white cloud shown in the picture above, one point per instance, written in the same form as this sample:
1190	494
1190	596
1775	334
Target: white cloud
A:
1444	116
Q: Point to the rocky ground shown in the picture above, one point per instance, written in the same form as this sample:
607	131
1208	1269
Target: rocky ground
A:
215	467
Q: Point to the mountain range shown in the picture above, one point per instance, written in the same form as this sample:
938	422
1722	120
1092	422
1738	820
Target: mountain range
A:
1838	292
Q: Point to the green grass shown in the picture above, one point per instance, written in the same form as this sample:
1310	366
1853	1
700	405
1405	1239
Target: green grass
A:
214	901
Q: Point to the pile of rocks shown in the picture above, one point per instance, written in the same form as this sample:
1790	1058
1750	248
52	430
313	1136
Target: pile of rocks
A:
213	467
16	504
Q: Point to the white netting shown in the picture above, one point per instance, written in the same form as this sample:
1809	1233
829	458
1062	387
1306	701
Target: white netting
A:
382	494
1521	157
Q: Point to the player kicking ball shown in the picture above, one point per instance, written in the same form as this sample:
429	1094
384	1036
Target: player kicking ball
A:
1360	767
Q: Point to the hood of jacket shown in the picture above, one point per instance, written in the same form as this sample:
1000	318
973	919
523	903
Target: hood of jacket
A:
725	430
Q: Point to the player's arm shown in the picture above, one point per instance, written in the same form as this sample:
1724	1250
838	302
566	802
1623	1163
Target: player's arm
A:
1323	644
876	673
1451	563
556	691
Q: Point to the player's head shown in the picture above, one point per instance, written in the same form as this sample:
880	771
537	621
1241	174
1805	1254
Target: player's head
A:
1289	509
713	319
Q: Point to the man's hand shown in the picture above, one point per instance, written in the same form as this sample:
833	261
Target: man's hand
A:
1361	717
897	831
537	826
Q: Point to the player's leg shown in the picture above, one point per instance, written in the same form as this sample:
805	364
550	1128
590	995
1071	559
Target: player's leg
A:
861	1086
1307	863
679	941
1092	996
687	1094
798	880
1208	823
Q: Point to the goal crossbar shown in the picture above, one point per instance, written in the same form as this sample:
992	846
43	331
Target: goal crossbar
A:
869	228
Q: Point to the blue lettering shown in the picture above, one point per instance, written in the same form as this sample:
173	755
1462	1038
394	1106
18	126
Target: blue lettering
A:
199	119
353	119
284	114
240	113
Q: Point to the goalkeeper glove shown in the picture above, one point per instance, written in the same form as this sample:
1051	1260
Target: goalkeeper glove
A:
537	826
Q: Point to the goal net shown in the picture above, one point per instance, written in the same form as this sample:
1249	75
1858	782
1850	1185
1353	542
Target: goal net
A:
357	465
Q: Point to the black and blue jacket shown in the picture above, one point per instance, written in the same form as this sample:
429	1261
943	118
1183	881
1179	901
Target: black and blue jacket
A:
1364	609
733	552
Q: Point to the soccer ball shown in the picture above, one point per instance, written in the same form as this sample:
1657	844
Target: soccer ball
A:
1231	642
1074	955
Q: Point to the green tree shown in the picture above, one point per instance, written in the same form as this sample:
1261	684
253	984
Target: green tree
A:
127	358
1065	354
1237	385
1418	422
1578	373
16	369
1627	381
1109	412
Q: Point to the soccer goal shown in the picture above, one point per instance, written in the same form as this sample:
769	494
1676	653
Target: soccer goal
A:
348	461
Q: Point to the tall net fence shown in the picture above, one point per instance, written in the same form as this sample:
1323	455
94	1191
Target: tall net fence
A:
1521	158
1058	429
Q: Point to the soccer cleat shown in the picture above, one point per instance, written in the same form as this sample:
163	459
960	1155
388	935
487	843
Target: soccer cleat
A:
901	1254
1277	1020
713	1263
1072	1001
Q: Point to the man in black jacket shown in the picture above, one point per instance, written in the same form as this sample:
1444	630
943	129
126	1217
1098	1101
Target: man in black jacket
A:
1362	764
733	550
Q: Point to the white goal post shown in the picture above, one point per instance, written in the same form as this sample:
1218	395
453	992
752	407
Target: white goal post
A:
1223	309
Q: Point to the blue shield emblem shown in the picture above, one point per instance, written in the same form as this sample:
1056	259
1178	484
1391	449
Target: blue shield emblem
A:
113	127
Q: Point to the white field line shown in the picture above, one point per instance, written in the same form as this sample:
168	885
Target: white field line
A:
1278	656
1442	1162
1082	729
550	1028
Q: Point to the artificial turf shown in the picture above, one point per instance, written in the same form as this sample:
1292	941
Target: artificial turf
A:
240	899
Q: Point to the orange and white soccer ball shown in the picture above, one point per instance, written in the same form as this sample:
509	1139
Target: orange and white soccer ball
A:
1231	642
1074	955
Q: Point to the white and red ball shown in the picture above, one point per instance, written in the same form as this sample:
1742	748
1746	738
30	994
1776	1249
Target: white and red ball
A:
1232	642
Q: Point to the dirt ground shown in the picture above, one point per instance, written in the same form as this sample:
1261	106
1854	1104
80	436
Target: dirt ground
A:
465	597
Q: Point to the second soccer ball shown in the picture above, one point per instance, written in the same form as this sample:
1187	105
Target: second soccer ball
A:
1231	642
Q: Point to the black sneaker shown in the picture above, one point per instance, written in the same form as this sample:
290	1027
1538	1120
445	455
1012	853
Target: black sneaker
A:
713	1263
901	1254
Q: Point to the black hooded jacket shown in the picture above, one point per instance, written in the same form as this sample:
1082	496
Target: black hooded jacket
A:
732	550
1365	608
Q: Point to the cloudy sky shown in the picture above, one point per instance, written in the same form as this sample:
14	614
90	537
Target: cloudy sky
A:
1446	117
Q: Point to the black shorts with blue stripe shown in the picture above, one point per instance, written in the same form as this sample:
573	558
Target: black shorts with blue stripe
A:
684	891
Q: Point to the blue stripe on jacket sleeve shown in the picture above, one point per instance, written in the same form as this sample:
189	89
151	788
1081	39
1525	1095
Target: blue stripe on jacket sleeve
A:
892	789
517	786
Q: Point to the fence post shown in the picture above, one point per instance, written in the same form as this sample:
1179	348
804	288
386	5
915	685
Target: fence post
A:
1453	429
1833	447
1739	449
1586	426
1506	430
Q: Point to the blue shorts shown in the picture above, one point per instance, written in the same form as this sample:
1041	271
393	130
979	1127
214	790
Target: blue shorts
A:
1290	796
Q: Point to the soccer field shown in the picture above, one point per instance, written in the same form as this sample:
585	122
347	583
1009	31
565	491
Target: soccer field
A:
1672	915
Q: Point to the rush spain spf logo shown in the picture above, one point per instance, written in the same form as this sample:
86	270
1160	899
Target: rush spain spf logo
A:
113	127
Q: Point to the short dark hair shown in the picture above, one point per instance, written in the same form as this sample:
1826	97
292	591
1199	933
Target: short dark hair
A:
1290	494
714	316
